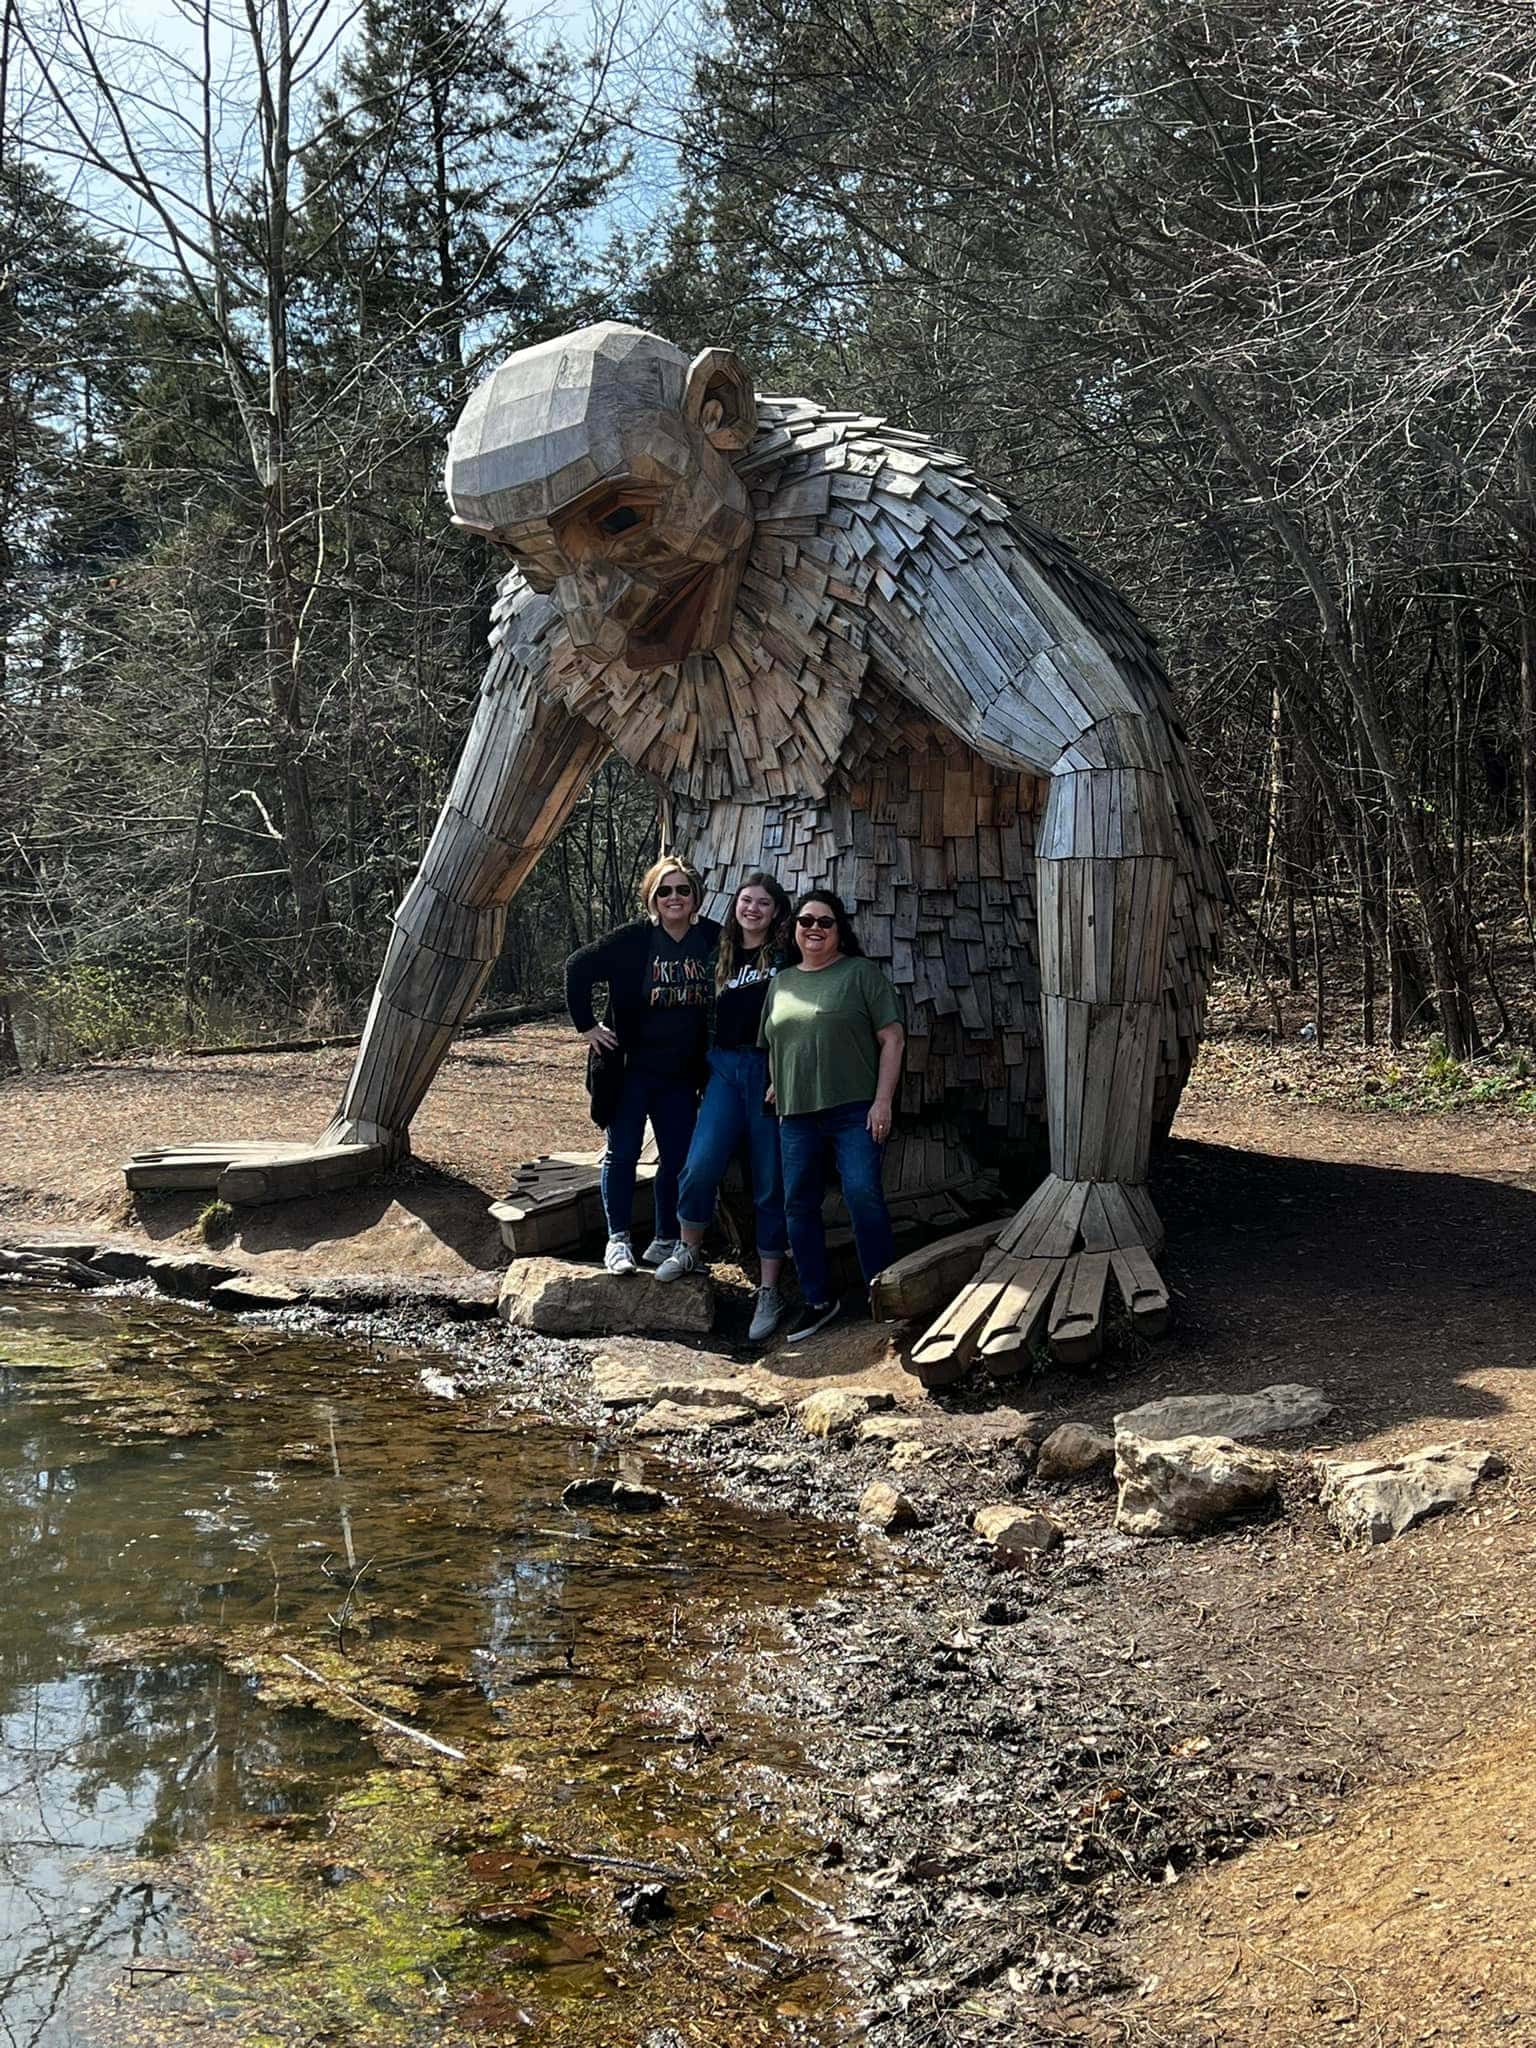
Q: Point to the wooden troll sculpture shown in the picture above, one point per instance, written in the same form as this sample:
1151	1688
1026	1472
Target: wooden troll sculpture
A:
841	658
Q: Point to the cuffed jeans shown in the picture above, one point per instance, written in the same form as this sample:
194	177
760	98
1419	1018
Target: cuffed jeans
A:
733	1109
809	1144
670	1105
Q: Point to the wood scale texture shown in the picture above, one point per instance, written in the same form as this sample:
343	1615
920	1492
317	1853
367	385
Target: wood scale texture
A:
896	686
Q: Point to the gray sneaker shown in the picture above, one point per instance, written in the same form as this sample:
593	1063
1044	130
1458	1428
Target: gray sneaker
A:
658	1251
680	1260
620	1256
766	1316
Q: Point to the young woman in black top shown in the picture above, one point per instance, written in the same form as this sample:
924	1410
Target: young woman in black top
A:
753	946
646	1063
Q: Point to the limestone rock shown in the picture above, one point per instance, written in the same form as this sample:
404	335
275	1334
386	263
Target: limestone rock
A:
886	1507
637	1371
561	1299
1182	1485
1371	1500
613	1493
910	1452
1272	1411
677	1418
1074	1451
837	1411
188	1276
1017	1535
250	1291
992	1429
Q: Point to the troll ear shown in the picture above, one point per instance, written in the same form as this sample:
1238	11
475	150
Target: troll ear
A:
720	399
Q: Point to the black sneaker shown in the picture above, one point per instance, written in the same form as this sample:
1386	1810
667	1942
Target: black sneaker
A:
814	1316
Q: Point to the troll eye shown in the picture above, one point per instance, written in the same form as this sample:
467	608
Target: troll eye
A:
621	519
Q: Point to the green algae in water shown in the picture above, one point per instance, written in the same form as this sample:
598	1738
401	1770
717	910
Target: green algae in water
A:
310	1875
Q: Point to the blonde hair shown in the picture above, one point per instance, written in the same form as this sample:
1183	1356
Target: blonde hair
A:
657	873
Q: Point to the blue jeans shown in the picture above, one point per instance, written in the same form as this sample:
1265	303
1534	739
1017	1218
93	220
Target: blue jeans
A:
733	1109
808	1144
671	1105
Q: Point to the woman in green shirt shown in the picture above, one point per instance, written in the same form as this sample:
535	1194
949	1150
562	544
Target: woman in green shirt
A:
832	1029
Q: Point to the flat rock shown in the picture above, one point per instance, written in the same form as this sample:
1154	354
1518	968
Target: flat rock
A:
678	1418
1017	1535
82	1250
638	1371
250	1291
1272	1411
907	1454
1074	1451
620	1494
884	1506
1183	1485
43	1269
561	1299
1371	1500
837	1411
121	1262
188	1276
992	1429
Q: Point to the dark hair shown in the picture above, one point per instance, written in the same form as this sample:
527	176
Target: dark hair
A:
847	937
778	946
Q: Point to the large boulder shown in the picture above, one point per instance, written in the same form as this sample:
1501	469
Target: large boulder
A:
561	1299
1371	1500
1184	1485
1272	1411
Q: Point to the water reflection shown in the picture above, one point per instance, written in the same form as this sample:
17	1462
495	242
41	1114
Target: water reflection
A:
160	1471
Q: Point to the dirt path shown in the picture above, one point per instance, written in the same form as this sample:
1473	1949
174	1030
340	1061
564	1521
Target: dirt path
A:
1367	1714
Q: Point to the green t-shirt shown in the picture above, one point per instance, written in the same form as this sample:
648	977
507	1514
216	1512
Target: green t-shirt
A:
819	1027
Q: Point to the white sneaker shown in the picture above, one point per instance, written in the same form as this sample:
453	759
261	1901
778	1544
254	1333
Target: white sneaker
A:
766	1316
620	1256
658	1251
681	1259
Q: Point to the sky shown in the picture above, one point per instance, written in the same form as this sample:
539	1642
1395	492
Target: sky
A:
648	44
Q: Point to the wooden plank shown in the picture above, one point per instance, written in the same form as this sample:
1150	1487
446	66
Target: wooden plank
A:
1142	1290
1019	1308
1076	1331
924	1280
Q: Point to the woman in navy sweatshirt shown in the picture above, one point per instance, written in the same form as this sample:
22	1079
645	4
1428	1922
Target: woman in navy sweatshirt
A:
647	1057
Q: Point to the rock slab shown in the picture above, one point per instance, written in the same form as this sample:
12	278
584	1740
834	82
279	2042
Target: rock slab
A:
1272	1411
559	1298
189	1277
1185	1485
679	1418
1371	1500
251	1292
1074	1451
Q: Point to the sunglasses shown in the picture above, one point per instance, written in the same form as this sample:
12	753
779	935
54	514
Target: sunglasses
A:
680	889
816	924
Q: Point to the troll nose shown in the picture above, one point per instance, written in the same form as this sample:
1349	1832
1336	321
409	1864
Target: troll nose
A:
600	603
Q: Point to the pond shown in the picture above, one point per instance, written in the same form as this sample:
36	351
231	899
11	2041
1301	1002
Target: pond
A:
324	1720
